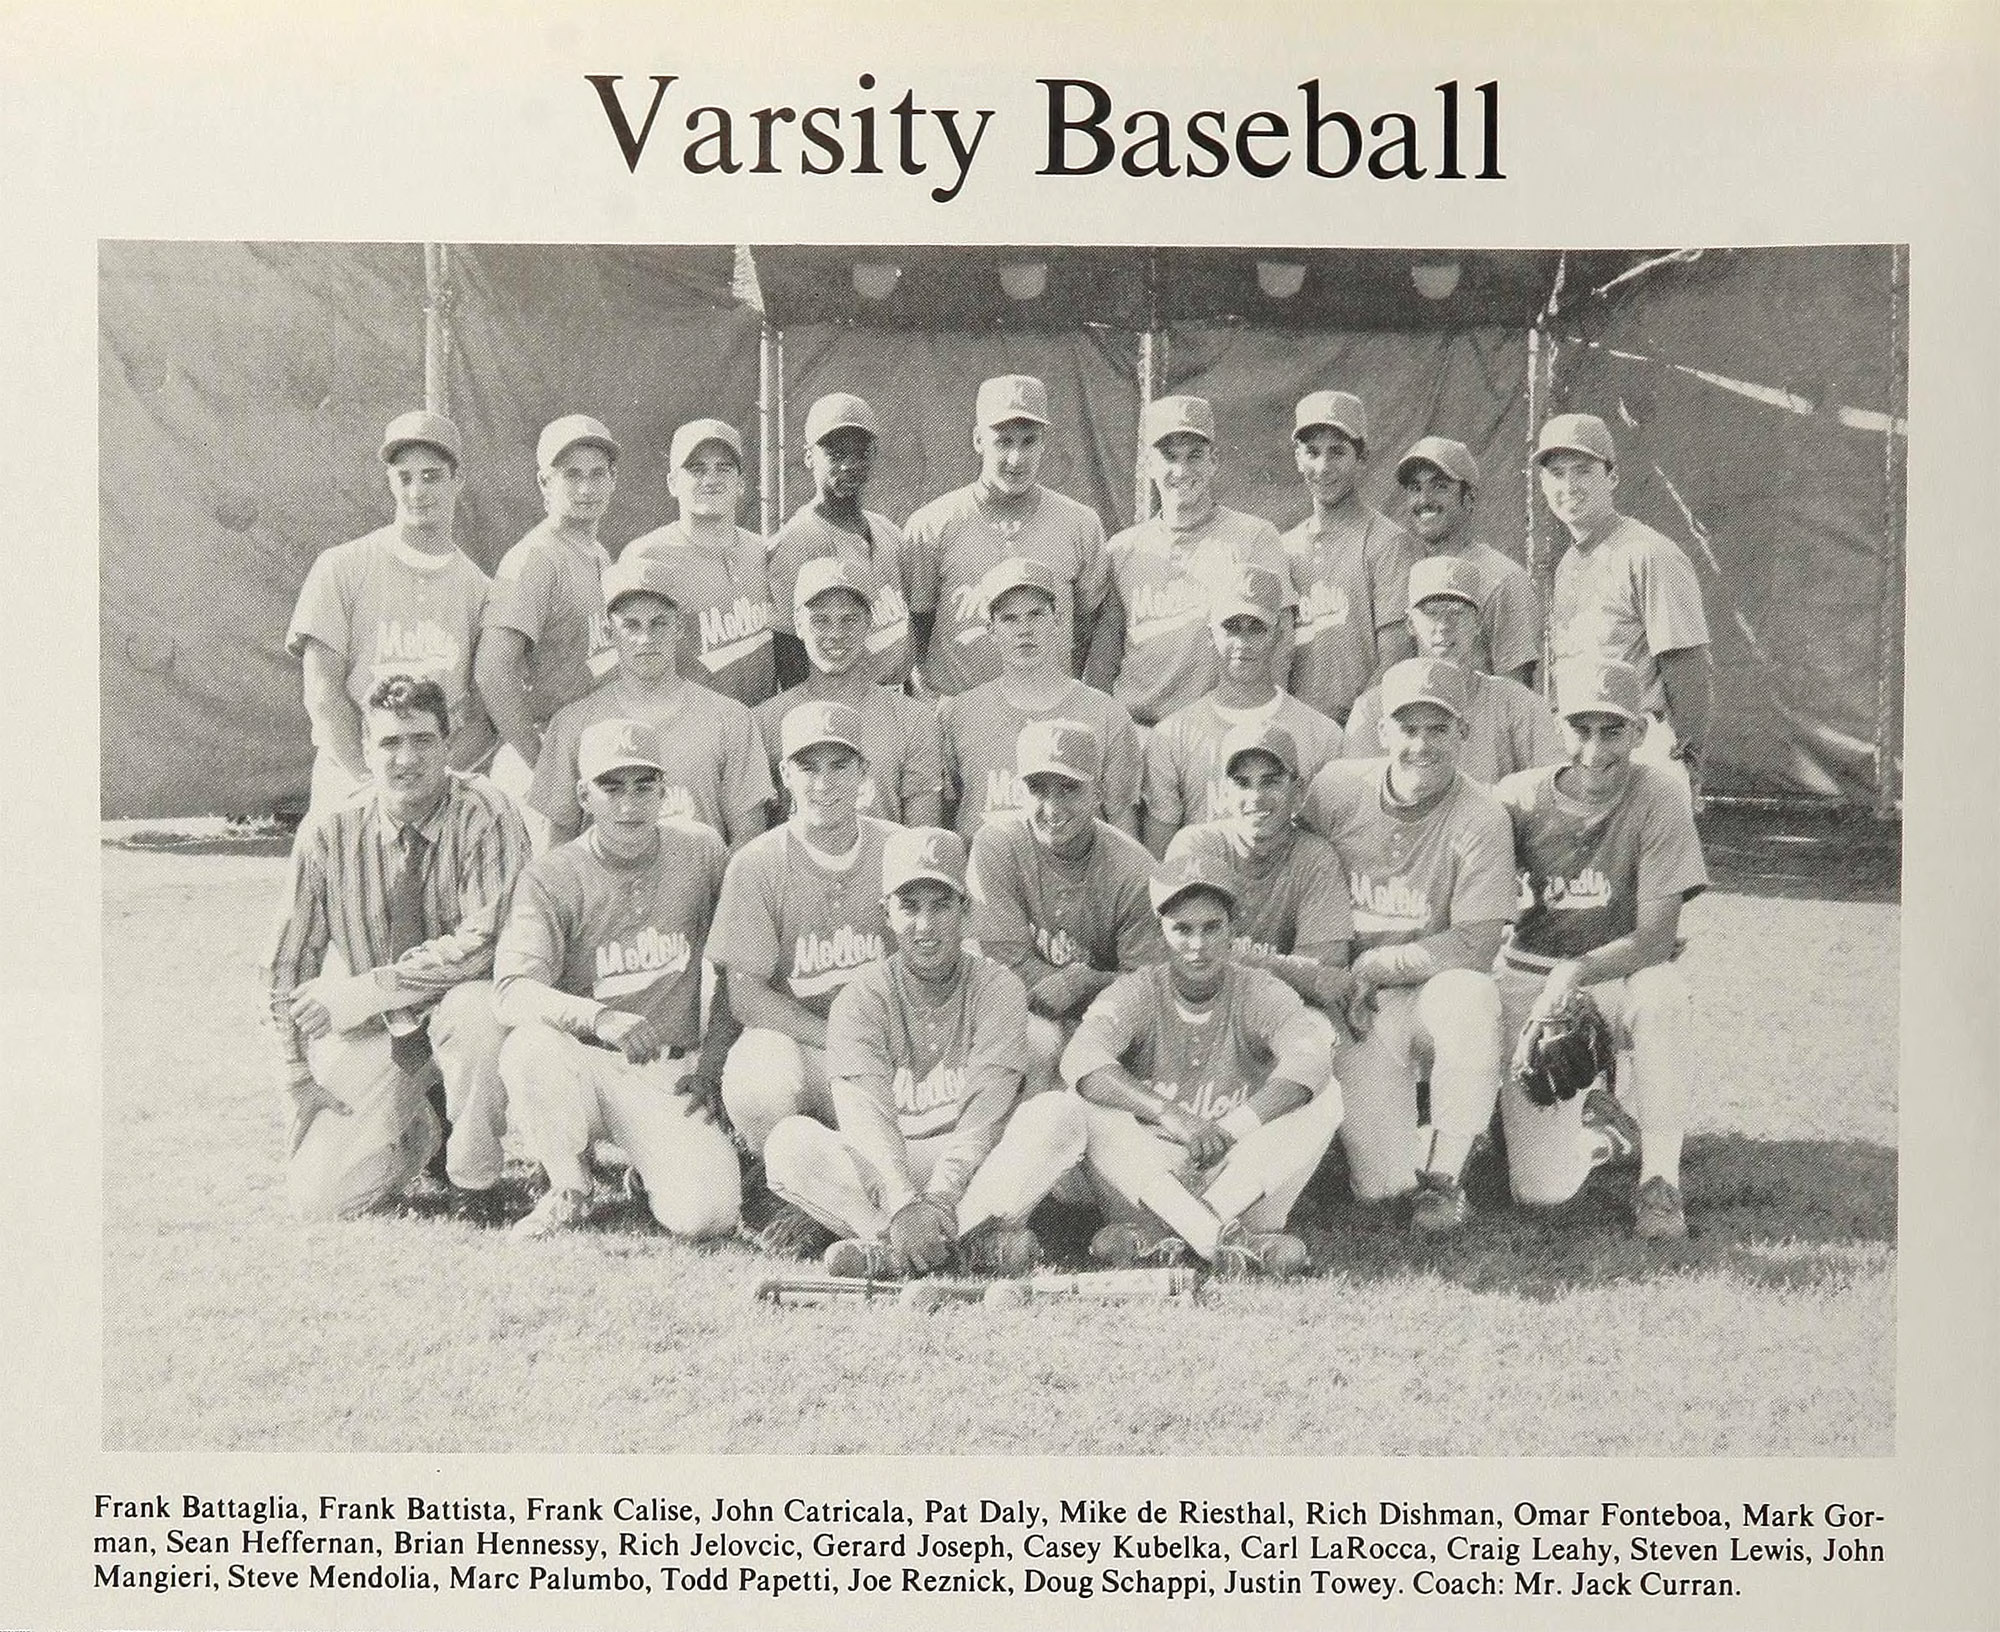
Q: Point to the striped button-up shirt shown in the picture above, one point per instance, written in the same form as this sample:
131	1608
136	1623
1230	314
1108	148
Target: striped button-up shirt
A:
343	862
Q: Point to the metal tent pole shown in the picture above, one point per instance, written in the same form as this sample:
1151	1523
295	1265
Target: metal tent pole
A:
1889	634
767	442
437	328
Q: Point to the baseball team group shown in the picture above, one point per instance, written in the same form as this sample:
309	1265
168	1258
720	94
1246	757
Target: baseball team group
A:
883	882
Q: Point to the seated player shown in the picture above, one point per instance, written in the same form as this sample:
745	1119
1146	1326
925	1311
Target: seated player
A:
1209	1094
937	1161
1608	852
1429	862
377	977
598	978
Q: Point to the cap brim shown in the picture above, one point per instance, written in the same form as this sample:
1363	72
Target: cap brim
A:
1264	748
1223	611
816	742
602	444
1019	416
632	763
1571	447
1068	773
925	874
389	450
1599	706
1347	431
844	425
1163	902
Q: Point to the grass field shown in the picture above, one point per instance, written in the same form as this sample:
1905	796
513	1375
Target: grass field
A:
1771	1332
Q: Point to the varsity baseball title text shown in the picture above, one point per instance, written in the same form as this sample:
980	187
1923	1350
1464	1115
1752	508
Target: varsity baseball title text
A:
1086	135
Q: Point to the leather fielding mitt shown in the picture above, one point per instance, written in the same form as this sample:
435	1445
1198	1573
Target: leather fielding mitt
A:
1564	1053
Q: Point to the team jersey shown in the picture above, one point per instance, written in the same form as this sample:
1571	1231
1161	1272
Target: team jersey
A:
980	727
1508	729
726	616
714	760
786	918
1028	908
954	541
626	937
1585	869
1209	1059
1630	596
384	608
1510	611
548	590
899	736
809	535
1184	780
1413	873
1164	579
1295	898
1352	579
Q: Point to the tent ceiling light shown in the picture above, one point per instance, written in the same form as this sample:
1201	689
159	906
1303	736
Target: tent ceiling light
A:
1280	280
876	280
1024	280
1435	280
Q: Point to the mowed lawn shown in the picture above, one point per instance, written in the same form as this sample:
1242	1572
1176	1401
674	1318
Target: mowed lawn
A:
1772	1332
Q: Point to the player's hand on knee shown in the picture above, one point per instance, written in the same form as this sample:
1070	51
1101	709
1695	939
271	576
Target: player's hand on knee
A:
1359	1009
308	1100
704	1097
312	1017
923	1233
630	1034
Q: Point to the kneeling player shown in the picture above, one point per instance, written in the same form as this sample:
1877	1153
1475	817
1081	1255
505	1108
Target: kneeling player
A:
935	1165
1607	851
598	974
1209	1093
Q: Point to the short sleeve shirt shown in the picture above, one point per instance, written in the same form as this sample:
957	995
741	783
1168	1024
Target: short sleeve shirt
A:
726	618
1098	915
1300	899
899	736
1630	596
809	536
1510	612
980	729
1352	578
550	591
1184	780
1508	729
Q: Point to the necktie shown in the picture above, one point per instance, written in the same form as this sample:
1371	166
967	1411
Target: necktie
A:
409	1043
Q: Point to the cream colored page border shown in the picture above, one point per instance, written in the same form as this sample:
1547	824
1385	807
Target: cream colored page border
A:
1656	124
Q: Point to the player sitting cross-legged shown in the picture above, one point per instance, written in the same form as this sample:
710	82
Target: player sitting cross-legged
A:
937	1160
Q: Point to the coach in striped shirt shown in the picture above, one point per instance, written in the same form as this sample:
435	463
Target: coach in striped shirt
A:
379	970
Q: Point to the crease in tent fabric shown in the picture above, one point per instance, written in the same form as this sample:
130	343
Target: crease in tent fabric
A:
1676	257
1701	536
1776	396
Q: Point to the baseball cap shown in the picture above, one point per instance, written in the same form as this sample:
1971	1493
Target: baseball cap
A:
1444	575
810	724
840	411
697	431
1453	458
1012	396
912	853
1186	873
1067	747
1332	410
1016	572
1261	737
1424	680
1576	433
433	430
1249	589
611	745
825	572
560	435
1590	685
1176	416
640	571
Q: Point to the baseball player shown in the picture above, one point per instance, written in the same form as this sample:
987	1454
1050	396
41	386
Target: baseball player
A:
1209	1094
403	599
1508	728
543	640
376	977
1440	483
842	437
800	916
598	980
714	760
1350	564
1058	894
937	1161
721	567
899	733
981	726
1626	593
1151	648
1429	861
955	541
1184	773
1607	852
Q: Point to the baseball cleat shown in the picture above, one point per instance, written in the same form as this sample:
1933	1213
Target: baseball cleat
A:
1241	1255
858	1260
556	1211
1441	1205
1614	1129
1126	1245
1657	1214
792	1233
1002	1250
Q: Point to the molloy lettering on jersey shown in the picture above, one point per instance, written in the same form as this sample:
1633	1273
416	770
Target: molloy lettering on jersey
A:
930	1106
888	617
1058	950
1380	908
968	612
1004	791
603	656
1161	609
731	633
822	962
424	642
1205	1099
1321	608
631	967
1245	946
1589	891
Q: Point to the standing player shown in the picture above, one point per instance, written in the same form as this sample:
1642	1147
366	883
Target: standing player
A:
1626	594
981	726
936	1164
1151	649
954	541
1440	483
1608	853
1508	728
721	567
1184	774
377	976
598	977
899	733
713	758
841	443
403	599
1429	861
1350	564
1210	1099
543	642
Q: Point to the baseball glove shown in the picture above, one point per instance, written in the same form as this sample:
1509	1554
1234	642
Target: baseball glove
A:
1565	1052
